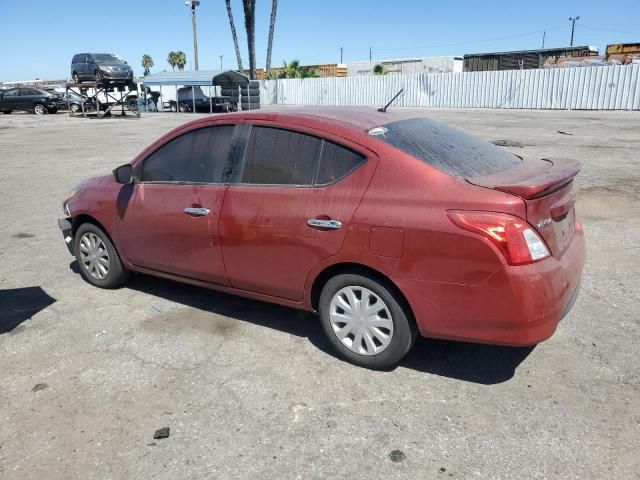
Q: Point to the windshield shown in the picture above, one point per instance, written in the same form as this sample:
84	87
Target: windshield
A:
446	148
107	58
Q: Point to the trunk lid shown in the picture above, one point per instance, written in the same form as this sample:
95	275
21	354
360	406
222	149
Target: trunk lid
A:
546	187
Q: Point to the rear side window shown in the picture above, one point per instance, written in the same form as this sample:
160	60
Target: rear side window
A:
280	157
446	148
336	162
199	156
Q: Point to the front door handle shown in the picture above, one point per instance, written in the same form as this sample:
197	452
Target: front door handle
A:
331	224
200	211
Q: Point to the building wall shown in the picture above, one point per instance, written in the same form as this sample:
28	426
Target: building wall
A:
407	66
520	60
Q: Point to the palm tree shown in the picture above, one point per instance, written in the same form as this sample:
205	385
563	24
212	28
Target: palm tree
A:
172	60
293	69
147	63
272	26
250	27
181	60
234	34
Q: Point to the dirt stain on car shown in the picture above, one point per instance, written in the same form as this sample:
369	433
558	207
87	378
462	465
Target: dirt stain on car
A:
184	320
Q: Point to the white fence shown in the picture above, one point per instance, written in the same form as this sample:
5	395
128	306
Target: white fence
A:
588	88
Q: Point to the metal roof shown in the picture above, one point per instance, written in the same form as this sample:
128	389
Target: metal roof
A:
223	78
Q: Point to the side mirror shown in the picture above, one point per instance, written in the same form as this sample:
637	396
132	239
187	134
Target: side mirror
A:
124	174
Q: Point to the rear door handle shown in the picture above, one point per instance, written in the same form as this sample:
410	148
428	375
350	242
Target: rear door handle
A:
199	211
332	224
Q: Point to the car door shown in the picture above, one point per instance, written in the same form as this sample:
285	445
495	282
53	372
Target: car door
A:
10	99
289	209
170	223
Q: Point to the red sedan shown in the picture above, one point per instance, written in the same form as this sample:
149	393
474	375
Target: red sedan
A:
388	225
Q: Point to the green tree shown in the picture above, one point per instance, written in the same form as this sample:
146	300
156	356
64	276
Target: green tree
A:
234	34
380	70
293	69
147	63
272	26
181	60
172	59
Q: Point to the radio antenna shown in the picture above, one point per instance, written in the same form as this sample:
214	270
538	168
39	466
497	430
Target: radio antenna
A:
384	109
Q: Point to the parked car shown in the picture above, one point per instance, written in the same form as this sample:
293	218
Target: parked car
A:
386	224
188	96
28	99
101	68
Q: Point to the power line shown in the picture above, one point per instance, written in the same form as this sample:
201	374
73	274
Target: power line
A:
610	31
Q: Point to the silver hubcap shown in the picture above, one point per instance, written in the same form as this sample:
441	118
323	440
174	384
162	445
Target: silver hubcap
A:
94	256
39	109
74	107
361	320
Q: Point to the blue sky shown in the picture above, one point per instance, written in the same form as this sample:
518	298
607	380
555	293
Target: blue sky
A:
38	38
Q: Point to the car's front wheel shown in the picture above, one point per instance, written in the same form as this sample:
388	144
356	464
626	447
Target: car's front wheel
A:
366	321
76	78
7	112
39	109
100	264
74	107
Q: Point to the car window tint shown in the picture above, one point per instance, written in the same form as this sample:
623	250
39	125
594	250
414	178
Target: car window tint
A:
280	157
11	93
198	156
446	148
336	162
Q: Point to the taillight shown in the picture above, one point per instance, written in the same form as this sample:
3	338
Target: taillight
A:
514	237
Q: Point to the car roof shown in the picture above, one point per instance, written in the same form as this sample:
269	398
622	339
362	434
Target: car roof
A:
358	118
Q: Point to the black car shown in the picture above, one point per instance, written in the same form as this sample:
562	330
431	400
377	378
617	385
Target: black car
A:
101	68
29	99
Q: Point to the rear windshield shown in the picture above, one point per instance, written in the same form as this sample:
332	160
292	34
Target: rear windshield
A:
446	148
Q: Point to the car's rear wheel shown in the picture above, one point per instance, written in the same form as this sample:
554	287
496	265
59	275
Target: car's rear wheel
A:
183	107
39	109
365	321
76	78
100	264
74	107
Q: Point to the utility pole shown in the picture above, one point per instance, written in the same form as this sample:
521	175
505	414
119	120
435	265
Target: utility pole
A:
573	26
370	53
221	61
193	4
341	51
544	34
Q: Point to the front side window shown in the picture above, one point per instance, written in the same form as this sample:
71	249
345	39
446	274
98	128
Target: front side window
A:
280	157
199	156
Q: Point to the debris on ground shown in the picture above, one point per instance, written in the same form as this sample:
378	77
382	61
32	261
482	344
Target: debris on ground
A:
162	433
507	143
39	386
99	334
397	456
564	133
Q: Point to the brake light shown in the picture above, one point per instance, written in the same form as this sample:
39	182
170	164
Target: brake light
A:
514	237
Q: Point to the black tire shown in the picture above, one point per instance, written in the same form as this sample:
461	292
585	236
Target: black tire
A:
184	107
250	106
75	107
228	92
250	91
253	84
117	274
7	112
39	109
173	107
97	76
404	329
250	99
76	78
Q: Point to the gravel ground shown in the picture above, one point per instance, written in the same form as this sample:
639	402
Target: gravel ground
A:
251	390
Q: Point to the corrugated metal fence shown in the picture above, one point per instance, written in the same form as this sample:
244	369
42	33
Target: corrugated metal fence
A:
595	88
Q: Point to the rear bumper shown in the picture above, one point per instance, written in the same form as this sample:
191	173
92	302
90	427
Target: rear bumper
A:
519	305
67	233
